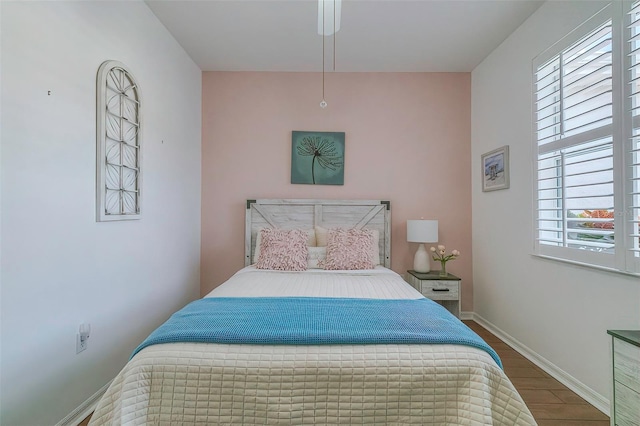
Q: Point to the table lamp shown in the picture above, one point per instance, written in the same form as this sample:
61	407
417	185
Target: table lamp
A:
422	231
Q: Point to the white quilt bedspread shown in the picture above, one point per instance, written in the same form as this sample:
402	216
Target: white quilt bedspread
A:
200	383
379	283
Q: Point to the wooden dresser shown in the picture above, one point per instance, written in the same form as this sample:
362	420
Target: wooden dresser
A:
625	400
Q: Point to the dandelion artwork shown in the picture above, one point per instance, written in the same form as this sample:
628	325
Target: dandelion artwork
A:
317	158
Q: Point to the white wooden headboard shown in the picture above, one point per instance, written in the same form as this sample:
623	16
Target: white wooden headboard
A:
305	214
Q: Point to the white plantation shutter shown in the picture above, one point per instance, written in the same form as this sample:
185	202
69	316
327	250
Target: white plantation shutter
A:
586	94
573	92
573	97
632	154
575	194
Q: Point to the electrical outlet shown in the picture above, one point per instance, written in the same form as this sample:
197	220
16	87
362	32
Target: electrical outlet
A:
82	339
81	344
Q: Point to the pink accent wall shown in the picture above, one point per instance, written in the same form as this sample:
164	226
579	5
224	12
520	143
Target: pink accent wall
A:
408	140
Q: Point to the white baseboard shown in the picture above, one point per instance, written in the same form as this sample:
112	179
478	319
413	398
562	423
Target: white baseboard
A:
466	316
591	396
82	412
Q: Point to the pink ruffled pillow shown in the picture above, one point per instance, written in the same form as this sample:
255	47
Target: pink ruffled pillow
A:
283	250
349	249
321	241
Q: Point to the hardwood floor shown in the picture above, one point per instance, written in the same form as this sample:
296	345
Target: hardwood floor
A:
550	402
85	422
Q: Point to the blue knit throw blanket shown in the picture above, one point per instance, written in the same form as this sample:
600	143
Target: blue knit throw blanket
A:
315	321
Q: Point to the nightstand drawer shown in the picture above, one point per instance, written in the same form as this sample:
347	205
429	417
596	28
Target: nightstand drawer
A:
626	377
440	290
626	406
626	364
444	290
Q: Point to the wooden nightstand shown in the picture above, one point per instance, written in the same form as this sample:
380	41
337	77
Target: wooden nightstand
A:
626	377
444	290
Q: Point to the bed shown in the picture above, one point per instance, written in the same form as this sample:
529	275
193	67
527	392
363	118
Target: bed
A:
242	381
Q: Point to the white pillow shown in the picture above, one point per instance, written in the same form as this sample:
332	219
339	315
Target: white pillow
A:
311	242
315	256
321	236
321	241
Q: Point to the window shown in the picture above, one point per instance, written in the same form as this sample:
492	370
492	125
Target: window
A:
631	150
588	170
118	143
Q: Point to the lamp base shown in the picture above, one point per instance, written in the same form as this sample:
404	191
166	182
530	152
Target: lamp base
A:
421	260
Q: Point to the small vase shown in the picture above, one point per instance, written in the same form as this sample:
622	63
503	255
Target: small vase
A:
443	268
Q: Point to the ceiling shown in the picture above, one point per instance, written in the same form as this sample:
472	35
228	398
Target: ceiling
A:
375	35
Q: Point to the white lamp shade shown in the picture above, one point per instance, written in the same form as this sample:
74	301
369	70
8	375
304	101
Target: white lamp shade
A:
422	231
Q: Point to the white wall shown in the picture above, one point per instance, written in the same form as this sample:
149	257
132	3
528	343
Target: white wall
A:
560	311
59	267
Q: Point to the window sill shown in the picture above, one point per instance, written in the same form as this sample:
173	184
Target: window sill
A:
586	265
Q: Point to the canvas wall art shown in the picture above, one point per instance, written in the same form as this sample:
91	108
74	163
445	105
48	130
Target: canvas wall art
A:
495	169
317	158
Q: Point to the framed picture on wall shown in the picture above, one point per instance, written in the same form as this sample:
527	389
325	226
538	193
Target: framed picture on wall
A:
317	158
495	169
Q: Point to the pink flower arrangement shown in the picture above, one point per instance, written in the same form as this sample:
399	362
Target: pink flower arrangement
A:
440	255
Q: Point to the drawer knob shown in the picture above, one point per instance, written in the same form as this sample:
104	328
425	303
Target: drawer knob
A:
440	289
